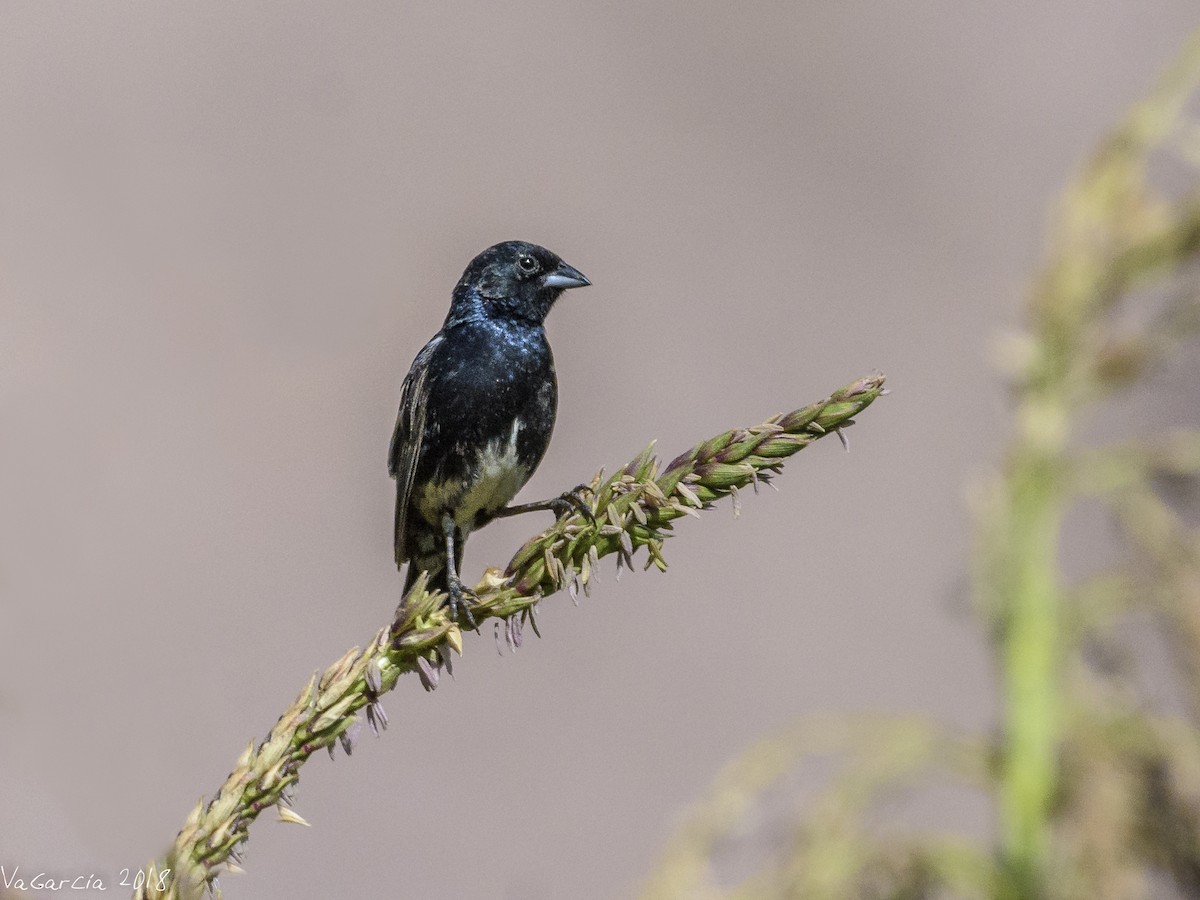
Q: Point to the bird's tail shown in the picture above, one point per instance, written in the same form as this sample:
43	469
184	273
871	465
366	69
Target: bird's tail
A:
437	574
427	553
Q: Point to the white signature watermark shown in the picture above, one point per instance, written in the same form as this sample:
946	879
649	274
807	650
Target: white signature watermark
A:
16	880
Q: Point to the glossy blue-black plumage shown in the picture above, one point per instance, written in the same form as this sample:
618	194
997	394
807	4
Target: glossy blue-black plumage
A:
478	405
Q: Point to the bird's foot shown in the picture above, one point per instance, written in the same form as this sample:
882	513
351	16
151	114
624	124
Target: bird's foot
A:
573	500
461	598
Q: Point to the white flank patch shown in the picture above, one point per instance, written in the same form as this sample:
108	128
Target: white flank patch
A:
500	477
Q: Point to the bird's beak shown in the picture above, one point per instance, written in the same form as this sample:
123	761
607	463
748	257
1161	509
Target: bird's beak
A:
565	277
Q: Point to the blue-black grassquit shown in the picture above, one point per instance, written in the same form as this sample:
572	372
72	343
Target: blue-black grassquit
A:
476	409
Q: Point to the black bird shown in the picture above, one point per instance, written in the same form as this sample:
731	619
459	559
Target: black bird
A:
476	410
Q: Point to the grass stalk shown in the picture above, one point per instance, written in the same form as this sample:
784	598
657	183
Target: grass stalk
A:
634	508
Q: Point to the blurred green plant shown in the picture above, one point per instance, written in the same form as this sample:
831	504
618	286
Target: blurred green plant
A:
1096	791
633	508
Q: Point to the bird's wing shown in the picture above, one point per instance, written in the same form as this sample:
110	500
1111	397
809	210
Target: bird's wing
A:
406	438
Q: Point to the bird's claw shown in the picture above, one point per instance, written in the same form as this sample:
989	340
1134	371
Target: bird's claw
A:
573	500
460	599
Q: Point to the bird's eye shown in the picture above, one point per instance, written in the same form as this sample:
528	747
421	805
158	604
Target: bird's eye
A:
528	264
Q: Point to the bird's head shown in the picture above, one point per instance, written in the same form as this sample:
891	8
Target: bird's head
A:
516	280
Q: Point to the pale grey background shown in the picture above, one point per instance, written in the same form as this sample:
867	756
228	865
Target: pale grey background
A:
225	229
